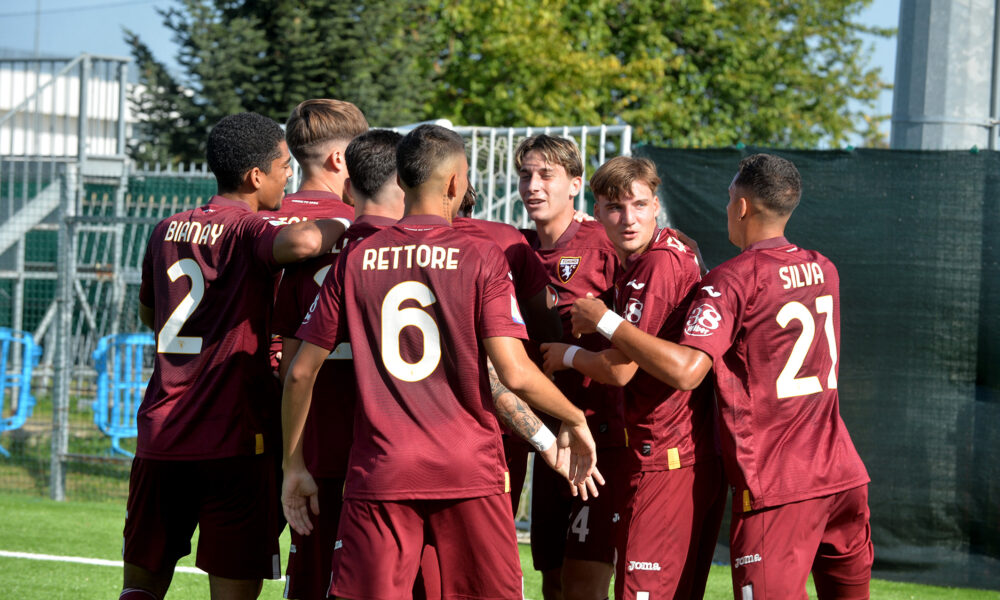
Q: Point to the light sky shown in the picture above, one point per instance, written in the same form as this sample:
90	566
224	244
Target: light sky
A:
70	27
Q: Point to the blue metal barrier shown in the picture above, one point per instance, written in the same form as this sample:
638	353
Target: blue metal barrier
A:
15	387
120	385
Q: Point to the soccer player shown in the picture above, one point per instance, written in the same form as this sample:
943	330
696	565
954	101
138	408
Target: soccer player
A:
207	425
674	468
536	299
768	321
371	161
423	306
572	541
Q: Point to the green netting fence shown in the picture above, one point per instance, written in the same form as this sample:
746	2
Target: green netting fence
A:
916	238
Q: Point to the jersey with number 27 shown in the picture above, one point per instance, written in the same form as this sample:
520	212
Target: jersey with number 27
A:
770	320
208	274
416	299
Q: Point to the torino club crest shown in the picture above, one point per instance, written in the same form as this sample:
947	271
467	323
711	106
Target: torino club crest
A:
567	266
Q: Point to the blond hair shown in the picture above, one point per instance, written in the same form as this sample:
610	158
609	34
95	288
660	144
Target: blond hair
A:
555	150
315	124
614	179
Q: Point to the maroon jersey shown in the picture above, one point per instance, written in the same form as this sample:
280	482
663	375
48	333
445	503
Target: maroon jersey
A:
415	300
583	261
770	320
326	441
303	206
667	428
208	274
530	276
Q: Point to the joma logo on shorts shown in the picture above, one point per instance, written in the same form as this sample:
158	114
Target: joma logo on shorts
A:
635	565
745	560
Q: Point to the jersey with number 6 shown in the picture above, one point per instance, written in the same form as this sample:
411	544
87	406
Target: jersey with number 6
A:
416	299
770	320
208	274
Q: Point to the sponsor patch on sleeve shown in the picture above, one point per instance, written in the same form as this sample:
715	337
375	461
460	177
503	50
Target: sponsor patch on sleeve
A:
703	320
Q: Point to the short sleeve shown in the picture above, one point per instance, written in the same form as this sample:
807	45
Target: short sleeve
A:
262	233
500	314
716	312
324	325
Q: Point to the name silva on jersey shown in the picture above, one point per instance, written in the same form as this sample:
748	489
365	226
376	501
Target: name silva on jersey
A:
801	275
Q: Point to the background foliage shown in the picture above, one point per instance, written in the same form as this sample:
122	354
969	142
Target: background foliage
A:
687	73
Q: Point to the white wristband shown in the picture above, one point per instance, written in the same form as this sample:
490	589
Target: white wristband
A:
609	323
568	356
543	439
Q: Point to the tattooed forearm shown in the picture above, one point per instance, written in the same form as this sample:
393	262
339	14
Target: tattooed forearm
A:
511	410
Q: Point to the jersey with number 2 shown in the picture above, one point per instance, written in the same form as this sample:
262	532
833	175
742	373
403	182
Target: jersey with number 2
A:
208	274
770	320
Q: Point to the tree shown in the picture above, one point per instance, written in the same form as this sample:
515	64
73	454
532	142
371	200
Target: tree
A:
790	73
269	55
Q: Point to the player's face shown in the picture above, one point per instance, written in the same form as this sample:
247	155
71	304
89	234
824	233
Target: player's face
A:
272	189
733	216
546	189
631	220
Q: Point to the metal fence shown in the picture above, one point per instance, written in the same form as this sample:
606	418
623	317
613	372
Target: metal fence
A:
75	216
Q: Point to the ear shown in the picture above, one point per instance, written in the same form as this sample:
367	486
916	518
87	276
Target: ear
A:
575	185
335	161
254	178
656	206
743	209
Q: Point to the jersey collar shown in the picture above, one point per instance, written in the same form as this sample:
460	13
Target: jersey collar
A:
375	221
222	201
769	244
423	221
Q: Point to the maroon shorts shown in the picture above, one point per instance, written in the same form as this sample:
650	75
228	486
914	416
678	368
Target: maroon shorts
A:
310	556
774	549
564	526
671	524
379	546
233	502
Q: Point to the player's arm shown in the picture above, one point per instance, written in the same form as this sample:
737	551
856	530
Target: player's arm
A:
609	366
516	371
680	367
298	490
307	239
541	318
146	315
289	346
520	419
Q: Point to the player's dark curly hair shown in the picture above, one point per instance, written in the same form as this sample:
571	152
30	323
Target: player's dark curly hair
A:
772	181
422	150
239	143
371	160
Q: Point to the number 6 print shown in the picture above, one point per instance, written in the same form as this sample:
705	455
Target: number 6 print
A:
395	319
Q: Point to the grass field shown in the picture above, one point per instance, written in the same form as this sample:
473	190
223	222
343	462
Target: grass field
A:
93	530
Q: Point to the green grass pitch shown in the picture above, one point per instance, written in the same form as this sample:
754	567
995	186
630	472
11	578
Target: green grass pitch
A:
93	530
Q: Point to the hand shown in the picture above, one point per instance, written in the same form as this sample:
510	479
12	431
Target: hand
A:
552	355
299	496
579	443
693	245
586	312
581	217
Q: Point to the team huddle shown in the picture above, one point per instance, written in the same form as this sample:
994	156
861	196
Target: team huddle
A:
365	361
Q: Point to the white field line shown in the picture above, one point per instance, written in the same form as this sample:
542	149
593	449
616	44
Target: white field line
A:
84	561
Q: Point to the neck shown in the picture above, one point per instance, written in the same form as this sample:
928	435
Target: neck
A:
550	231
248	199
758	232
624	254
330	183
422	204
